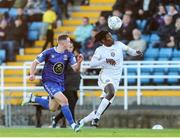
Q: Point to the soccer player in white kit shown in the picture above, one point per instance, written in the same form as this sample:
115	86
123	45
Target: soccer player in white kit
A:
109	57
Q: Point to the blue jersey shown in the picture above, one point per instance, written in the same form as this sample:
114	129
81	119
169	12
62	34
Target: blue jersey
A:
55	63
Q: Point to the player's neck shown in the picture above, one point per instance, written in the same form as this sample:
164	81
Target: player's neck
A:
60	49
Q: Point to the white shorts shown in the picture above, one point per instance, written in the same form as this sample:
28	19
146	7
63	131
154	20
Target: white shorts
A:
104	80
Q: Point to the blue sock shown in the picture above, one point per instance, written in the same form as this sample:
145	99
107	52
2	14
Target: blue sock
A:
43	102
67	113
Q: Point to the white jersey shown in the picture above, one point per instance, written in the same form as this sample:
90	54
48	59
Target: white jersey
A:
109	72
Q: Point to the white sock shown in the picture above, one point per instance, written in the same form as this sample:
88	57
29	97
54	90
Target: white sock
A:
104	103
88	118
33	98
73	125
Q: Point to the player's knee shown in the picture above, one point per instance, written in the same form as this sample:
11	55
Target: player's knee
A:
65	101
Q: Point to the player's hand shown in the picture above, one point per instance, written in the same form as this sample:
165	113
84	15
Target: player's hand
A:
110	61
80	58
32	77
139	53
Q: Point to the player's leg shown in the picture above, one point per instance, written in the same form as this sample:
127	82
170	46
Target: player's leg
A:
53	105
63	101
30	98
72	99
109	90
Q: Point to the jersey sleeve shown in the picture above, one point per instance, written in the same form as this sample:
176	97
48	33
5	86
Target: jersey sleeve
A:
129	50
41	57
97	54
97	59
72	59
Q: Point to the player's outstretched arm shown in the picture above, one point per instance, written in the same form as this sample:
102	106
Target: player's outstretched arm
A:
33	70
95	62
77	66
133	52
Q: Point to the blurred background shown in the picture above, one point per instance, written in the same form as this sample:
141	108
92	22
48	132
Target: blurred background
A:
149	92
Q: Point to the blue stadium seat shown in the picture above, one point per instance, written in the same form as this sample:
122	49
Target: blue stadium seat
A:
131	80
174	69
3	10
176	53
2	55
35	26
158	80
141	24
146	38
163	69
13	12
154	37
175	59
165	53
132	70
145	80
33	35
147	69
172	80
151	53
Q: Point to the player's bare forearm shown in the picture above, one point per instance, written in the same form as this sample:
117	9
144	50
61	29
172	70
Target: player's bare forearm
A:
95	62
33	67
33	70
77	67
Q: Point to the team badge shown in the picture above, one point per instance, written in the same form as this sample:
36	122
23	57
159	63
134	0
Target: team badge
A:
58	68
65	57
112	54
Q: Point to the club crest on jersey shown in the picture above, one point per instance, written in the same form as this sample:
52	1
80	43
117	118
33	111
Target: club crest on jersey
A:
65	57
58	68
112	54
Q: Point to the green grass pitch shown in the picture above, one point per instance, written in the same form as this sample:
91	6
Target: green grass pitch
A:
87	132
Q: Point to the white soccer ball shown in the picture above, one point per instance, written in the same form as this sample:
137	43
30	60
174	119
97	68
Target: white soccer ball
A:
114	22
157	127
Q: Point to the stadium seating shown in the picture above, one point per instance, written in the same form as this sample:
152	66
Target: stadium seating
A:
154	37
13	12
131	80
2	55
159	80
141	24
176	53
165	53
35	26
3	10
172	80
33	35
151	53
145	37
145	80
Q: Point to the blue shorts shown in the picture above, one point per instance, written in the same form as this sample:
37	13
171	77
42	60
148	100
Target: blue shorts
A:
53	87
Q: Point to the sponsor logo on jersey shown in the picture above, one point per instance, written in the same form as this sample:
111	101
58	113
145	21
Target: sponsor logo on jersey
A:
58	68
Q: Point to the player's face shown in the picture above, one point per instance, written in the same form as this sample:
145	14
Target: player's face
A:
70	48
108	41
66	43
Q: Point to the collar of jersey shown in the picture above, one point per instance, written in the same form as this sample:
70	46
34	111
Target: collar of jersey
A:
55	48
107	46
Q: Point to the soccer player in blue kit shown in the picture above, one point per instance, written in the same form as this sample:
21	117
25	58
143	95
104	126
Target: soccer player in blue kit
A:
55	59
